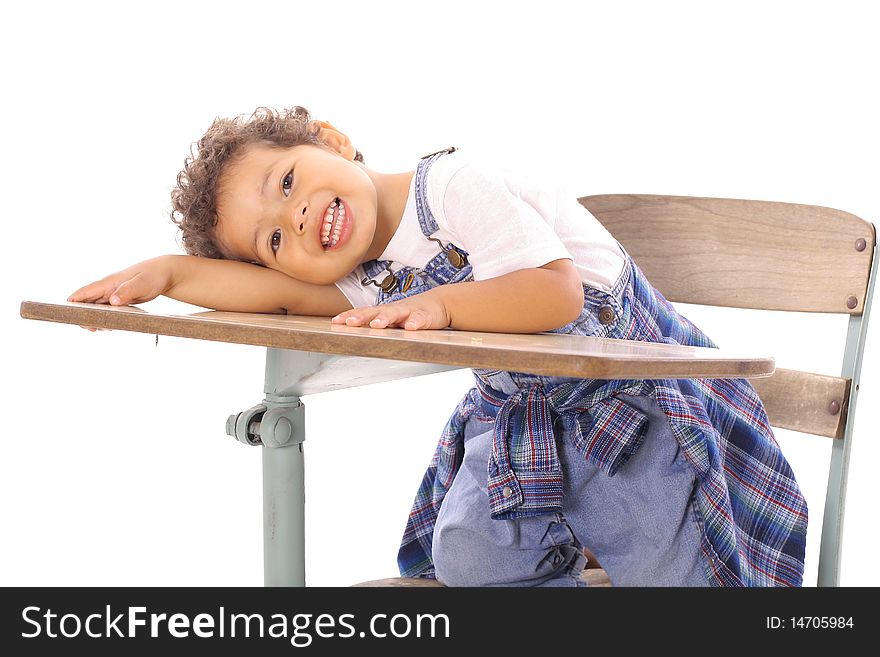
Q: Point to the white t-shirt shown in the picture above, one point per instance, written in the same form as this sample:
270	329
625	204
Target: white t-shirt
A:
504	221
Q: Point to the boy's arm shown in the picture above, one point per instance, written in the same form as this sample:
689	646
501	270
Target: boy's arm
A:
523	301
217	284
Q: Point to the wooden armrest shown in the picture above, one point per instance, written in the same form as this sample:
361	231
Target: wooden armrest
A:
546	353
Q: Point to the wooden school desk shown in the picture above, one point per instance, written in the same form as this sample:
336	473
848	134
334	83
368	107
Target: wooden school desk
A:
308	355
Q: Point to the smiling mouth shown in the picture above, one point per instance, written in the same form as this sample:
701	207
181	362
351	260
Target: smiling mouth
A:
334	221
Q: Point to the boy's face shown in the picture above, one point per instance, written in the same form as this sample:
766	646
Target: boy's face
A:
307	211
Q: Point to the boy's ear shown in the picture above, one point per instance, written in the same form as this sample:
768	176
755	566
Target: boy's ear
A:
334	139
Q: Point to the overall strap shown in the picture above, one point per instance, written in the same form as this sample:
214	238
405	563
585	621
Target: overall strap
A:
449	266
427	222
426	218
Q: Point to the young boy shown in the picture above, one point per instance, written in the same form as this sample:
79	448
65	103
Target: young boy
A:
675	483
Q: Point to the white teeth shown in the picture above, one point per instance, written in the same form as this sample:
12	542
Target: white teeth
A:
329	238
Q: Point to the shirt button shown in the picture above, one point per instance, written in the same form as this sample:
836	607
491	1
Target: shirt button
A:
606	314
506	491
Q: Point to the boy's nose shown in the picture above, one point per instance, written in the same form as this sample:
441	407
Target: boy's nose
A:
300	218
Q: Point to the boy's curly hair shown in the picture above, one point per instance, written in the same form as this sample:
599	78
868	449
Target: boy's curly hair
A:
194	199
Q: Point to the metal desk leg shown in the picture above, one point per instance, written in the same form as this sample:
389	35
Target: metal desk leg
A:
284	514
278	426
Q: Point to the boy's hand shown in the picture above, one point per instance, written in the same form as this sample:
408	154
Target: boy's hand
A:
524	301
421	311
139	283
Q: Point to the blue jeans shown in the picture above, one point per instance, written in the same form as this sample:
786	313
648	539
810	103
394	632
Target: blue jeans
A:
640	523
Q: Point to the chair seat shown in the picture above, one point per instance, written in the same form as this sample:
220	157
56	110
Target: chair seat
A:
401	581
592	576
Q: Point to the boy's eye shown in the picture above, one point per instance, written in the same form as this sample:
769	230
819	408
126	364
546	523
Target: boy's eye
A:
276	241
287	183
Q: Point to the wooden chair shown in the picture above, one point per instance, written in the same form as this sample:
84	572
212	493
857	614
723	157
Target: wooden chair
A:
767	256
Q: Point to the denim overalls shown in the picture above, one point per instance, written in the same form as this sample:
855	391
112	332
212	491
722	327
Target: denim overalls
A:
667	482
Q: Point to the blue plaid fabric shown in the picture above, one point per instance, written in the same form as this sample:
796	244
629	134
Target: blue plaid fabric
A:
753	514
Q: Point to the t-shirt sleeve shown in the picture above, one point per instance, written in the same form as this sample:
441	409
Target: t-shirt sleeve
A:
358	295
504	222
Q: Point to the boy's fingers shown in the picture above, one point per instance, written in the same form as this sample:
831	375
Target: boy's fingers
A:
124	293
97	292
356	317
418	319
397	316
386	317
117	297
367	317
354	320
83	294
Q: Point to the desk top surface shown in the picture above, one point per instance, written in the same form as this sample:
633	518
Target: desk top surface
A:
545	353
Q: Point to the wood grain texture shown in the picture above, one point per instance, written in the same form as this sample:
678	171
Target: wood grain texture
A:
806	402
546	354
386	582
743	254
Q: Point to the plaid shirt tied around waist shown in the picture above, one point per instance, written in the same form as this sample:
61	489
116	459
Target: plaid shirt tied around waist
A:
751	509
525	477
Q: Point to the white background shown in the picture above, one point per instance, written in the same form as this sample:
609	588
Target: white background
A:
116	469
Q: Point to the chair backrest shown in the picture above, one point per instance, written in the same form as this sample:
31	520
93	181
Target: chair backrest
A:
770	256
